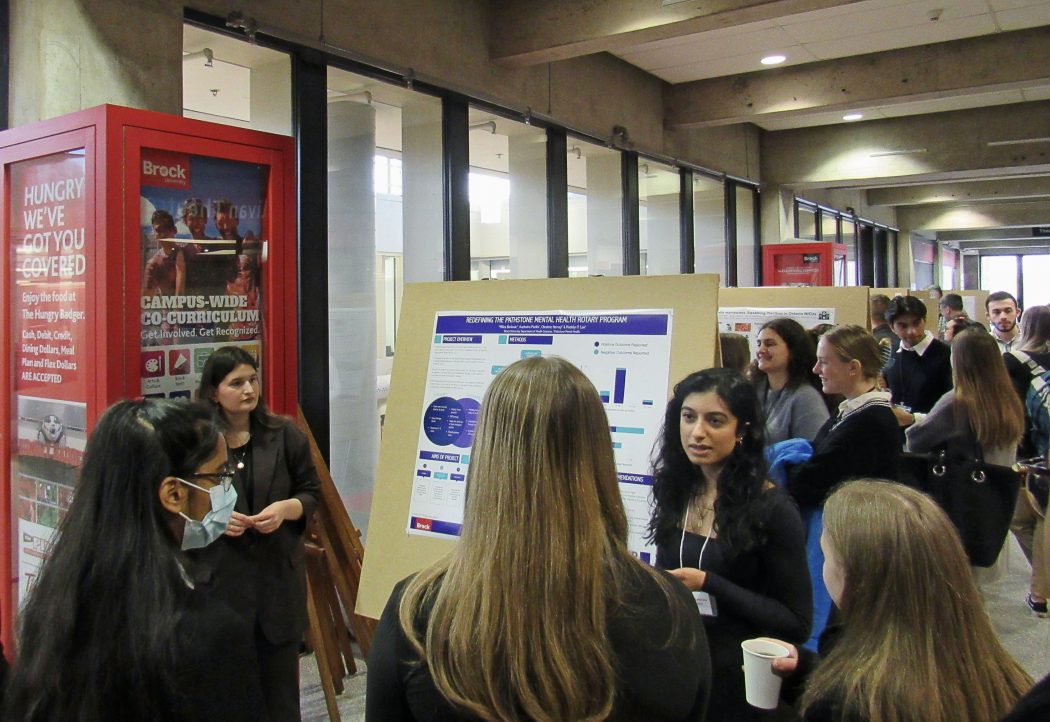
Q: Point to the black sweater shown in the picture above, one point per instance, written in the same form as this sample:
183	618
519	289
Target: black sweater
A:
864	444
661	678
919	381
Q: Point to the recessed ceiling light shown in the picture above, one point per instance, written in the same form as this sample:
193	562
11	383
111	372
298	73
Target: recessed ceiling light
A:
773	59
853	116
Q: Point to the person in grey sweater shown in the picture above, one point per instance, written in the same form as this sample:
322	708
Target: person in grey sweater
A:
783	379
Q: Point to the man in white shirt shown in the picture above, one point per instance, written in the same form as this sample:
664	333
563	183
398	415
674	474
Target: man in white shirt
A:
1003	314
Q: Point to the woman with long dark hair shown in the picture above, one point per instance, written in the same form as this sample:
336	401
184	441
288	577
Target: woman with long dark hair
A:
915	643
258	566
783	378
540	612
733	538
115	627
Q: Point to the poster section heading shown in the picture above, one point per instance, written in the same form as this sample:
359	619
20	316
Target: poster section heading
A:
202	220
748	321
626	354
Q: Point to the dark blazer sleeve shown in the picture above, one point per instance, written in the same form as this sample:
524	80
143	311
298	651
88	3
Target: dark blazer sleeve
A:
305	482
784	609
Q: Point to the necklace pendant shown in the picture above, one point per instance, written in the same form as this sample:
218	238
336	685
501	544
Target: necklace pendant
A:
240	465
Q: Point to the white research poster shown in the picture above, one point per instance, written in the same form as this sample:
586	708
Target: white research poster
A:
625	353
748	321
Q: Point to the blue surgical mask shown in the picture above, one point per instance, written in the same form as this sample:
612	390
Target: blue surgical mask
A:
199	534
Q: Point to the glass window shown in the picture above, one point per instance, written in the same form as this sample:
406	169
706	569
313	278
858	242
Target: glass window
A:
806	229
999	273
1035	270
829	227
385	219
508	198
745	236
595	210
234	82
660	231
709	226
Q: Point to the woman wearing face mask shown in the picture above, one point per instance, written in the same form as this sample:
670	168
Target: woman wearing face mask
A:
915	643
793	407
115	628
258	566
732	537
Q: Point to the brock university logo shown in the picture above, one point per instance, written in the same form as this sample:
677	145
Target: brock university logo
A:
165	169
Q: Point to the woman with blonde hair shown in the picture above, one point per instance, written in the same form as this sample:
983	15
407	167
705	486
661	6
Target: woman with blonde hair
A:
915	643
862	439
540	612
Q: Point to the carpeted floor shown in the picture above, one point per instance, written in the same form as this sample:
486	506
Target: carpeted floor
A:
1025	636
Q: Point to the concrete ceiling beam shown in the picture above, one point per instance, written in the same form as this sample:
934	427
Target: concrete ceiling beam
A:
974	217
935	147
973	192
1004	61
527	32
989	235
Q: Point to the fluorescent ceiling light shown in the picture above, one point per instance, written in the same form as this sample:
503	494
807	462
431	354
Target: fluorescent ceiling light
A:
773	59
853	116
1019	141
903	151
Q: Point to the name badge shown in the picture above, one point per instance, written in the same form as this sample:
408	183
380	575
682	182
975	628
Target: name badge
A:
706	604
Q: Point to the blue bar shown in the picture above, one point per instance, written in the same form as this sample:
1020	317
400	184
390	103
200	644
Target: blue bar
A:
423	473
460	339
439	456
459	477
434	525
526	353
617	445
647	402
604	396
440	475
626	429
634	478
621	382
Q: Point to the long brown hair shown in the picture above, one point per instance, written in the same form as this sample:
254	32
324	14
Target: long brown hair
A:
518	610
984	395
917	644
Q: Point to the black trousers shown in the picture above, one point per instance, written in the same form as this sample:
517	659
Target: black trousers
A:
279	677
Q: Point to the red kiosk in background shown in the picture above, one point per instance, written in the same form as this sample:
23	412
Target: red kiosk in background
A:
134	244
804	264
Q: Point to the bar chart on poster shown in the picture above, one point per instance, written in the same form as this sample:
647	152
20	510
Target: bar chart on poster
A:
625	354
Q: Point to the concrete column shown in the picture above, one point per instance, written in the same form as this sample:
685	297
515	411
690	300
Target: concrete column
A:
971	271
67	56
421	193
528	206
271	97
661	234
352	305
604	216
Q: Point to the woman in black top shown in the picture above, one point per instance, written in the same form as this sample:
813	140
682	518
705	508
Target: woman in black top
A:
863	439
732	537
115	629
540	612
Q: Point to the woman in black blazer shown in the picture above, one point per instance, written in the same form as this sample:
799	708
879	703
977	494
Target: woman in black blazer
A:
257	567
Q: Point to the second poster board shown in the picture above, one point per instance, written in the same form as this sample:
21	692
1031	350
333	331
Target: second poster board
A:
393	553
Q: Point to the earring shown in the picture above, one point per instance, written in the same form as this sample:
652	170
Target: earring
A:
740	441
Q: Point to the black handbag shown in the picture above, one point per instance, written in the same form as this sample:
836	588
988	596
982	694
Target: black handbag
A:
978	497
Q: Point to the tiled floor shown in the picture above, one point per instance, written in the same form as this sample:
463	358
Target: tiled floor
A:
1025	636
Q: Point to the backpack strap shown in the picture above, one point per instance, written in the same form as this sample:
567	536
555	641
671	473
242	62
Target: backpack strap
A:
1028	361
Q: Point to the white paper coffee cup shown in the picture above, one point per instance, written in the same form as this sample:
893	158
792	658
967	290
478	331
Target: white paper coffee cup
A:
761	686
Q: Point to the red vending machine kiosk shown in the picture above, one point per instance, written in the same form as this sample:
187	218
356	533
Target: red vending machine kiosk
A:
804	264
135	244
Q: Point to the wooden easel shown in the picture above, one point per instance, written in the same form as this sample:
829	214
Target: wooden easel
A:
334	554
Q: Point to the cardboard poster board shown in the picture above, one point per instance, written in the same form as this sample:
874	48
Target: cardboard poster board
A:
393	553
850	302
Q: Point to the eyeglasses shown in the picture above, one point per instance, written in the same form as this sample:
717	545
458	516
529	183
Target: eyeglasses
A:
223	476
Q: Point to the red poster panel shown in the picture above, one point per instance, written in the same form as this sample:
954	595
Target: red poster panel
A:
803	264
51	258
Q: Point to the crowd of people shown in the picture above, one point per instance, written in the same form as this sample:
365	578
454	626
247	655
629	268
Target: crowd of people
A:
176	588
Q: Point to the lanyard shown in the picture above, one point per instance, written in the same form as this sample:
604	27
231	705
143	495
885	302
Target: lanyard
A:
681	544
